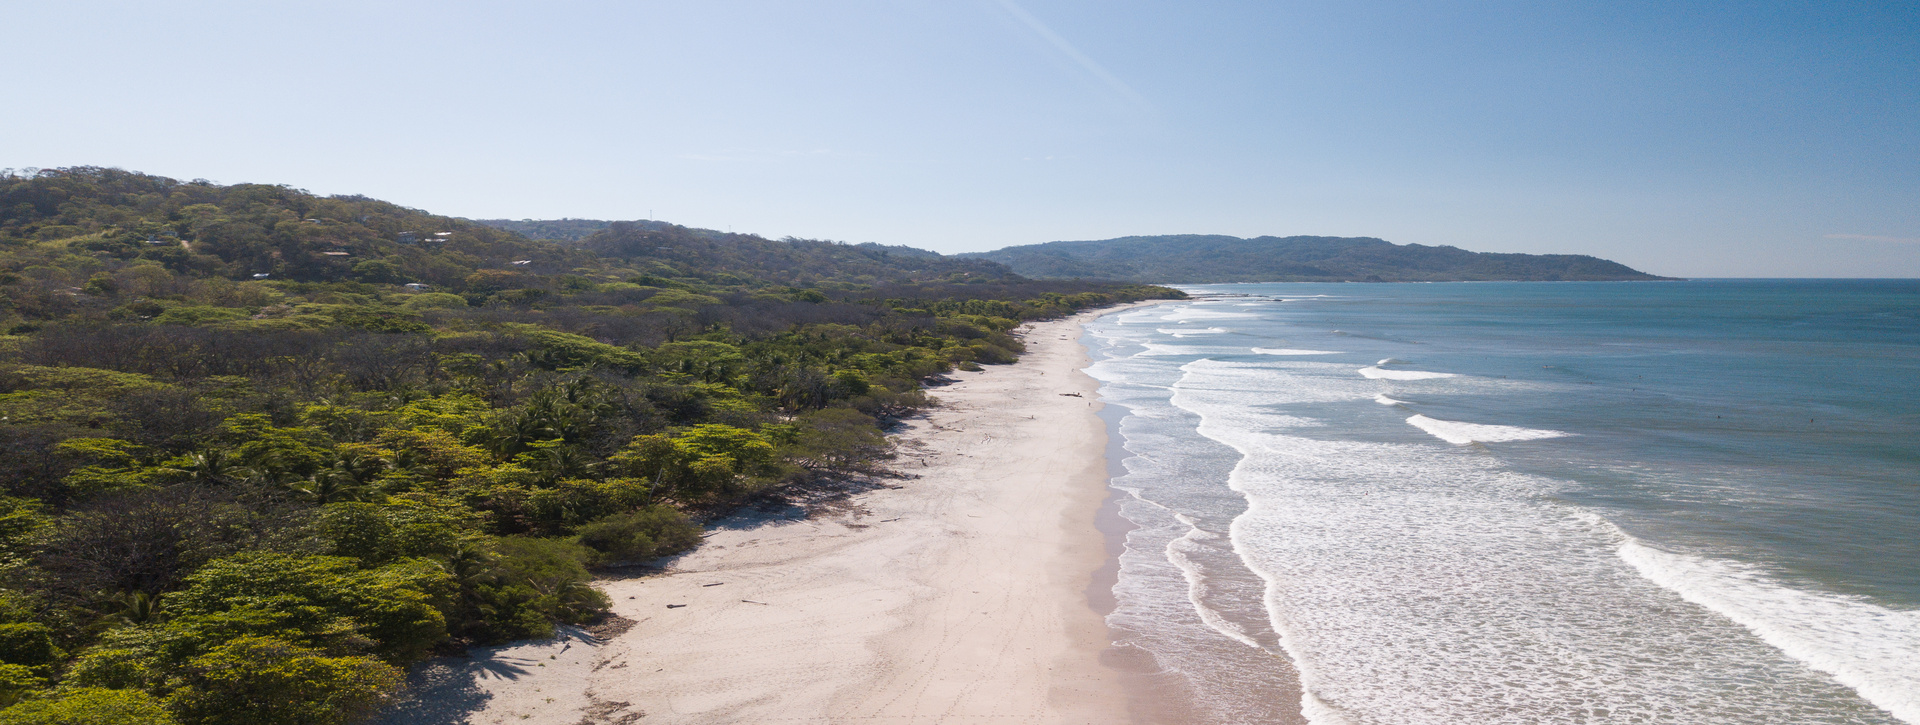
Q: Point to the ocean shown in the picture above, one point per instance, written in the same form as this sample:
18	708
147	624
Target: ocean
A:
1647	502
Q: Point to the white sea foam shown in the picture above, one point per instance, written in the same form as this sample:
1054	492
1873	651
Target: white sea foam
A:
1377	373
1872	649
1187	332
1134	318
1424	584
1159	349
1159	609
1179	553
1178	314
1318	712
1427	585
1392	361
1291	351
1460	434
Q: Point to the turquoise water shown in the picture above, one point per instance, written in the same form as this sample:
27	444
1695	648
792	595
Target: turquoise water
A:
1526	502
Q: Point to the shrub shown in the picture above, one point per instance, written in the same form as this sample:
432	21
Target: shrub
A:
27	644
434	301
199	315
640	534
90	706
16	681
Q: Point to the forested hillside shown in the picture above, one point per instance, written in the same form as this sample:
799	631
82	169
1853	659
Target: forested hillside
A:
559	230
1200	259
261	449
789	261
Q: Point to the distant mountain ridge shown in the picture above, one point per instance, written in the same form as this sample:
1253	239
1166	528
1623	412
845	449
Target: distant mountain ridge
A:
1170	259
1213	258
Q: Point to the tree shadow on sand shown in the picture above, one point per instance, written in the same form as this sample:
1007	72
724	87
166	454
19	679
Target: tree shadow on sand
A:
449	690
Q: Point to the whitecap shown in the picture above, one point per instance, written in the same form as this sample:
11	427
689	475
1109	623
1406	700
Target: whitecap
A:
1378	374
1384	400
1155	349
1179	314
1135	317
1392	361
1872	649
1460	434
1185	332
1291	351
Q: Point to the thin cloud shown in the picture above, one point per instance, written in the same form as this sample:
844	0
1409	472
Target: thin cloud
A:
1876	238
764	154
1071	52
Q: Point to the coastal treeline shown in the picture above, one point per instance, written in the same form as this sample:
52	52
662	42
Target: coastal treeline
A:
261	449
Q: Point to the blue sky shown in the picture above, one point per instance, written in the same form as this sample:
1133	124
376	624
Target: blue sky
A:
1695	139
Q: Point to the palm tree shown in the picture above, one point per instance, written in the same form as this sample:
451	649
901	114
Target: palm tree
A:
211	466
137	607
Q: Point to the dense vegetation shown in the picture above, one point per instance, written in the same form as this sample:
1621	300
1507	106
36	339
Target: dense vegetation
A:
1201	259
571	232
558	230
261	449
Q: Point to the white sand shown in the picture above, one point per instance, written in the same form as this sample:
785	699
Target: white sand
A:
958	597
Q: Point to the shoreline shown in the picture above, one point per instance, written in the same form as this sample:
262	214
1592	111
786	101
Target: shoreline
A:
968	594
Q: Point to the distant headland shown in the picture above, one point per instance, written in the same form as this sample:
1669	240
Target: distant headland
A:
1213	258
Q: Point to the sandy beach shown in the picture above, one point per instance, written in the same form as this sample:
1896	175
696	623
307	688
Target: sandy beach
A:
955	594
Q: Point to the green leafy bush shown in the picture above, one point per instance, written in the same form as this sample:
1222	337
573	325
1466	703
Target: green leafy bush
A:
640	534
526	585
321	600
266	681
90	706
434	301
29	644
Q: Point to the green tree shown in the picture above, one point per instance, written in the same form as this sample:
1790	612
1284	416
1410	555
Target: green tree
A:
528	585
267	681
393	605
377	271
710	461
415	525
